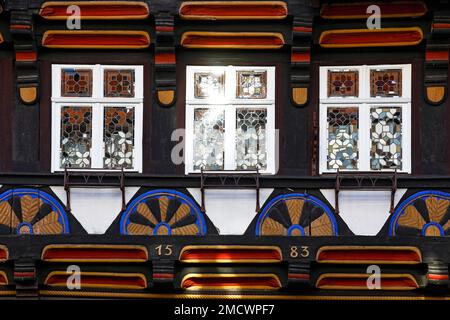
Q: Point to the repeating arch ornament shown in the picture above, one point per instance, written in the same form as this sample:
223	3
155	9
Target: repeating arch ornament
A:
296	214
32	211
163	212
424	213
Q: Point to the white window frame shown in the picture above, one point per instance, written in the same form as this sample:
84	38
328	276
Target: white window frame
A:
364	102
229	103
97	102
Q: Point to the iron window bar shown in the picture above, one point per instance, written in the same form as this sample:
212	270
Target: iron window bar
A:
366	180
229	179
92	178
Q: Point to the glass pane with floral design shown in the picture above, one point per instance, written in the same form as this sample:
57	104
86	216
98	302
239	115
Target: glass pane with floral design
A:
342	138
343	84
386	83
209	85
76	82
76	137
386	135
119	83
251	84
118	137
209	130
251	139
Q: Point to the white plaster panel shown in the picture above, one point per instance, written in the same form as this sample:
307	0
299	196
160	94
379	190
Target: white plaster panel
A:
95	209
231	211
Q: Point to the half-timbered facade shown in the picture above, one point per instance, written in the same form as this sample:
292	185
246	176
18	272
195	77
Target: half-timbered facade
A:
176	149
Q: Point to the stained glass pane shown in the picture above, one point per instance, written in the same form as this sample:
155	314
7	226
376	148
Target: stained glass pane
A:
209	85
386	134
386	83
76	137
119	83
118	137
251	139
342	83
209	129
342	138
251	84
76	83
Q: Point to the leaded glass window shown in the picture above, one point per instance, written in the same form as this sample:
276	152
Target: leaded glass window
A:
386	83
209	128
76	82
76	137
251	84
251	138
118	137
230	118
365	118
119	83
343	83
342	138
386	135
209	84
97	117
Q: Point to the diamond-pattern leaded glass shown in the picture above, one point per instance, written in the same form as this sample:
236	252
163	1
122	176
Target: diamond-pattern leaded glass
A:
119	83
209	129
251	84
251	139
386	83
343	83
76	83
342	138
386	135
209	85
118	137
76	137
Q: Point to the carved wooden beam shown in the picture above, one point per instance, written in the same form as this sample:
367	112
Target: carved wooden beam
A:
27	72
437	59
302	28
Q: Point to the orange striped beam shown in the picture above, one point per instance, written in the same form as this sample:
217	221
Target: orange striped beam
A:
96	10
396	9
230	254
224	281
369	255
440	27
300	57
4	253
233	10
96	39
232	40
437	55
164	58
26	56
94	253
356	281
386	37
103	280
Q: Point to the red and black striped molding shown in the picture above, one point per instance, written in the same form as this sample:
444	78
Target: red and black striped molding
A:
165	56
437	59
301	53
27	71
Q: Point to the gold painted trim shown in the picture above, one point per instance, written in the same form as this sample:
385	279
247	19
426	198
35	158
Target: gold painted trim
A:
233	296
95	246
98	32
99	274
219	247
233	3
364	276
3	247
1	38
357	248
383	30
93	3
3	273
231	275
232	46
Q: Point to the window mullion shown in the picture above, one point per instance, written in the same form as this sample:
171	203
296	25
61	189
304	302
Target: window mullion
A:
97	136
230	137
364	137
